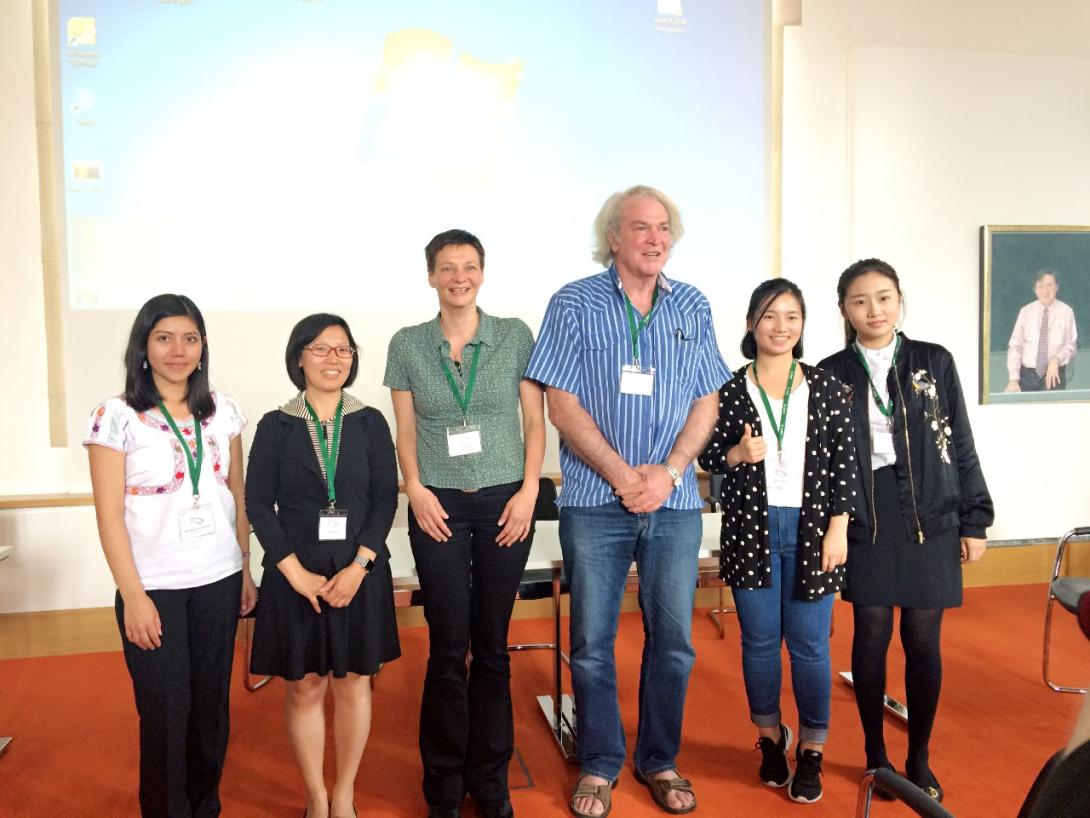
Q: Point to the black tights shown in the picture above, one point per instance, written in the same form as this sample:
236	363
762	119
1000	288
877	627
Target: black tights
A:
920	632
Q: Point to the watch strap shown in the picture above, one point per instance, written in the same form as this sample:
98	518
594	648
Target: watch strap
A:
675	475
366	562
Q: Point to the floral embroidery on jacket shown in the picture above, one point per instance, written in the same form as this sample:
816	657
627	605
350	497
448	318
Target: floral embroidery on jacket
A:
924	385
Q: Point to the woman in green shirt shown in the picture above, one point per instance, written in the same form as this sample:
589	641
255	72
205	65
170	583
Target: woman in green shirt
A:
471	470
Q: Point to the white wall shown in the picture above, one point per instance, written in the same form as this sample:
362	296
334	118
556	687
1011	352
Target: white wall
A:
898	142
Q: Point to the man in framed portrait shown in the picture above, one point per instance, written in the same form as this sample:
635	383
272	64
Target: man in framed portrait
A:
1043	341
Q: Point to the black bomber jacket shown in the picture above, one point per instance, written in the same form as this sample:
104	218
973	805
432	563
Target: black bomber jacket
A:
938	473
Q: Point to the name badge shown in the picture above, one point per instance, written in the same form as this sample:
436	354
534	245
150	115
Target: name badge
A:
462	440
196	522
332	524
778	477
635	380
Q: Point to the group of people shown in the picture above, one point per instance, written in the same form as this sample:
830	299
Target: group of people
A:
858	475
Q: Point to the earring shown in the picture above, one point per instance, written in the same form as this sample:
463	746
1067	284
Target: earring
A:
145	364
198	365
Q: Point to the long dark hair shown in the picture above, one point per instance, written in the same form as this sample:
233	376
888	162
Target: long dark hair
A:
304	333
862	267
759	302
140	390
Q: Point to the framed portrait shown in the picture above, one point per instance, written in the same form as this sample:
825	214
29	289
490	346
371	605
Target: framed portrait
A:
1034	313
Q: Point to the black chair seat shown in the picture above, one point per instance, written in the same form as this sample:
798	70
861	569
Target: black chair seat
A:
537	583
1067	591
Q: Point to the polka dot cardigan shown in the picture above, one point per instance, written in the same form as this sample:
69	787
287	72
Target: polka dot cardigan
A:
831	485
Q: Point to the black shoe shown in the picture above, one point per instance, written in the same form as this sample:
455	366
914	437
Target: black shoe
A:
496	809
448	809
775	771
806	785
927	782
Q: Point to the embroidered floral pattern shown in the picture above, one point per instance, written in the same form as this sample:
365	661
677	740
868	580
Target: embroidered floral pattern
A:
172	486
217	459
924	385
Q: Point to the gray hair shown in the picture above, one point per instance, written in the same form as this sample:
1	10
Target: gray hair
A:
608	220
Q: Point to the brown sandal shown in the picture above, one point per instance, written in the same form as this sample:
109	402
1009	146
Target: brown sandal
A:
660	788
600	791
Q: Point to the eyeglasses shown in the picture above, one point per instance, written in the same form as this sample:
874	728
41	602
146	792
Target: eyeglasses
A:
322	350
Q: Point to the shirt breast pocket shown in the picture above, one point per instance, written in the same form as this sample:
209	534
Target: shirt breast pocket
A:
600	348
687	338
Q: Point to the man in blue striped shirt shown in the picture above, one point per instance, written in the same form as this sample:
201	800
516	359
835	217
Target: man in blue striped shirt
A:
631	367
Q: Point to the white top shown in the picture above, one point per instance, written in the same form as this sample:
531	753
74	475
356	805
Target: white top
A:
1026	336
783	476
881	431
158	491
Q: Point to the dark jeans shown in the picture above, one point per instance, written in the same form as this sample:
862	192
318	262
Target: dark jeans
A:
1030	381
468	584
182	690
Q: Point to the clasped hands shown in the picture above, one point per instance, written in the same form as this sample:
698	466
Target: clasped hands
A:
644	489
338	590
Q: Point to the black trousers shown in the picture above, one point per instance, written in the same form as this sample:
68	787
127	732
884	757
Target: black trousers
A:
468	584
182	691
1030	381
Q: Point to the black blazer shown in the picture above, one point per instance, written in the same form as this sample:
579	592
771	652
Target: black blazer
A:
938	472
285	490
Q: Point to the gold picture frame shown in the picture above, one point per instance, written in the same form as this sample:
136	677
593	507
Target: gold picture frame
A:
1022	269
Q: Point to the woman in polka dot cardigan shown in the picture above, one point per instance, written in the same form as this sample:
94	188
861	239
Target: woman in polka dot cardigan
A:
783	442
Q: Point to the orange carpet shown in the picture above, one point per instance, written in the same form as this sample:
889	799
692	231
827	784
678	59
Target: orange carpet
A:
75	751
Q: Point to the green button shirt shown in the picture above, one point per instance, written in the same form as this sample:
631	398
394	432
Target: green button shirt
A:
414	364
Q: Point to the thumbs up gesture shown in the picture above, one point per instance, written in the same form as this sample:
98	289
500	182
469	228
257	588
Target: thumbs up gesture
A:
751	448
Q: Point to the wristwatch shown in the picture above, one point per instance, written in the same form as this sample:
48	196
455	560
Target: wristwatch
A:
675	475
366	562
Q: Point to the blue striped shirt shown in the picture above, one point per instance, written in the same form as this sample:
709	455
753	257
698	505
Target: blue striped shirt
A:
583	345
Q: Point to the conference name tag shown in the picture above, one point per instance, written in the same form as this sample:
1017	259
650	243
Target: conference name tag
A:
778	478
635	380
197	522
332	524
463	440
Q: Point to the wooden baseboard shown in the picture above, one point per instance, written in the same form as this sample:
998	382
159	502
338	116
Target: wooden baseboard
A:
91	630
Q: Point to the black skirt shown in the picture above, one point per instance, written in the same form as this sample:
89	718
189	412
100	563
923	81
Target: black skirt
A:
895	569
291	640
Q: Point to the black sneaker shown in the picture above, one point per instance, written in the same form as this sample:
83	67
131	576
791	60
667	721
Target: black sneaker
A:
775	771
806	785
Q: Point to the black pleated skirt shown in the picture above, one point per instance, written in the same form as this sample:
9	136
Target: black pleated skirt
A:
291	640
895	569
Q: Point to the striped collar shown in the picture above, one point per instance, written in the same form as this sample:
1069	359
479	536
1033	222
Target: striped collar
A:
297	408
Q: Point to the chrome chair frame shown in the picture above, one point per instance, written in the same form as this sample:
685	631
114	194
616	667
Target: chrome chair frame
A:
1065	590
902	790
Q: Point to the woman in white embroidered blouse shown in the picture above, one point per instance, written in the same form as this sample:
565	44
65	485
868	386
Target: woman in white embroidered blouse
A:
166	471
786	498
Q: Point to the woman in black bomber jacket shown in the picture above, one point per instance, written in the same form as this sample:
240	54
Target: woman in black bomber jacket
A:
785	517
926	505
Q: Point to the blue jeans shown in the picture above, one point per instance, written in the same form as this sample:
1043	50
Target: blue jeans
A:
600	543
767	617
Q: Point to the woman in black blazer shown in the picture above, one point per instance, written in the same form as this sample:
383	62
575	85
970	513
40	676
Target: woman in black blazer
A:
322	491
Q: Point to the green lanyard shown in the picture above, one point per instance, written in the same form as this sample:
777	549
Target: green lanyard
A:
777	430
887	411
635	328
194	462
459	398
329	450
